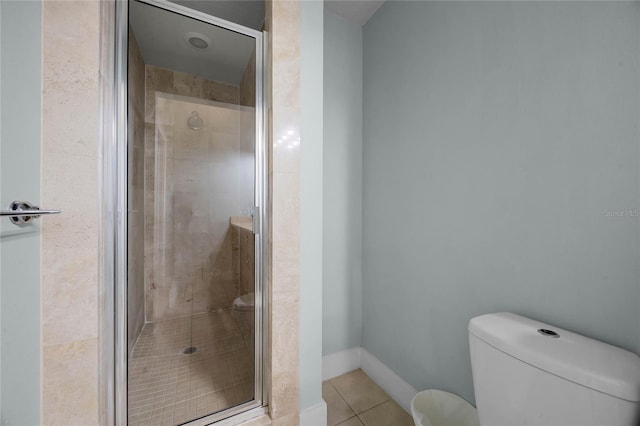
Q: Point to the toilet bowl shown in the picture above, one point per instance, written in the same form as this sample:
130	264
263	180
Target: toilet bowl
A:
526	372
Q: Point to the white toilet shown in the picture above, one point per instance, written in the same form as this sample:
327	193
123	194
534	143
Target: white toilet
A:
529	373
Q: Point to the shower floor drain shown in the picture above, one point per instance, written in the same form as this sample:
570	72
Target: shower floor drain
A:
189	350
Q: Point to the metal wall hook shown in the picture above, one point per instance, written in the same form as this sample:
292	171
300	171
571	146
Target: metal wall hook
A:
22	212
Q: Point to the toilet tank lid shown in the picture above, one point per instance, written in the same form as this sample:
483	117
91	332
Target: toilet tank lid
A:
577	358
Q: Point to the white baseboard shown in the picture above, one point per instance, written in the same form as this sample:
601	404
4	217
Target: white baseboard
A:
314	416
338	363
399	390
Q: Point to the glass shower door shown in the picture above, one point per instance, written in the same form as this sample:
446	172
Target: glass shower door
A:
193	268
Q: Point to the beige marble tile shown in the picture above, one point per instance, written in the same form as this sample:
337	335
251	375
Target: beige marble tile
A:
156	80
187	181
286	224
190	145
69	384
248	83
286	150
221	92
159	79
286	81
386	414
359	391
189	176
149	141
69	183
222	146
283	19
189	85
69	241
69	117
70	43
70	295
337	409
284	364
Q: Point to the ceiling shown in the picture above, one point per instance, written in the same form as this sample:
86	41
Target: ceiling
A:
358	11
163	41
249	13
162	35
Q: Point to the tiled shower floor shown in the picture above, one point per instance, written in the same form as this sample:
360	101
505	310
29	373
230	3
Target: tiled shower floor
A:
168	387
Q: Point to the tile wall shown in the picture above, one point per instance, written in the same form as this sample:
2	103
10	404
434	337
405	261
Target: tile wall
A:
70	241
243	254
248	83
283	88
191	190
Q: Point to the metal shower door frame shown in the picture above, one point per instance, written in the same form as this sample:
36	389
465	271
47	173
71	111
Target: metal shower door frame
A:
114	356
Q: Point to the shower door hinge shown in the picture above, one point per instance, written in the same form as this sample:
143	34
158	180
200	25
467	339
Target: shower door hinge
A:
255	215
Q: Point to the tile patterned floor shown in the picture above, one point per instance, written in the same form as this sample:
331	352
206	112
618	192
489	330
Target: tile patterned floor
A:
168	387
353	399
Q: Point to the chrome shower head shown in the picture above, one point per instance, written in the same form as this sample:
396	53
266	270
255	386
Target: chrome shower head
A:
195	121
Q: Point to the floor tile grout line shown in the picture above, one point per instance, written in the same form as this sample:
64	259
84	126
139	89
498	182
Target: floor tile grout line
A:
375	406
346	420
359	416
345	401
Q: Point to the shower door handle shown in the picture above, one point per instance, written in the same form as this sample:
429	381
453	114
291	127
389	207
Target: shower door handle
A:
255	218
22	212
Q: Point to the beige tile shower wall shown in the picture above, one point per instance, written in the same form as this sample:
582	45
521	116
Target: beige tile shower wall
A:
69	306
135	208
193	184
196	175
248	83
247	97
244	258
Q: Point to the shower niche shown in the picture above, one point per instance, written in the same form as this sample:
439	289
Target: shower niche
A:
195	186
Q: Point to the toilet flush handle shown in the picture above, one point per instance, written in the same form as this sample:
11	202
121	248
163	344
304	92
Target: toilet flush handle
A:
548	333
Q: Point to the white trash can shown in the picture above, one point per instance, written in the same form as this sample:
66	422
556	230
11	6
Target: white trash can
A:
440	408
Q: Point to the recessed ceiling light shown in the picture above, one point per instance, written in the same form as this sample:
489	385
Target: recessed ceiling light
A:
197	40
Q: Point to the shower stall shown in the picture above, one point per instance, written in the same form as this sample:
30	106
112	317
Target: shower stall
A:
190	350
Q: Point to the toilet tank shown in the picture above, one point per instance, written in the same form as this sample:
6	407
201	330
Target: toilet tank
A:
526	372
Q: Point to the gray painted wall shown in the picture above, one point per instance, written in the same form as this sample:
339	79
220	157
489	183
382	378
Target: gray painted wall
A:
21	87
342	210
497	137
311	182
